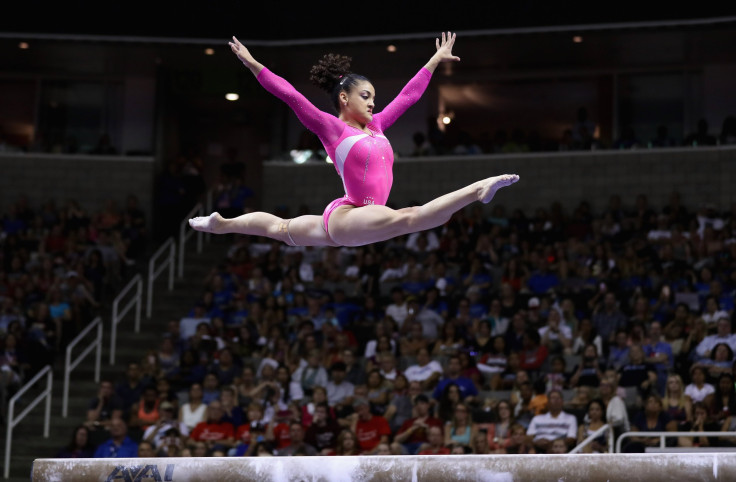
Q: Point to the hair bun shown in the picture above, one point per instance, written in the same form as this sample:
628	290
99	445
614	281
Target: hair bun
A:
329	70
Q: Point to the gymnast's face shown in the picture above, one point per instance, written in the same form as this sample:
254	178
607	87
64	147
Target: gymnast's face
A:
360	102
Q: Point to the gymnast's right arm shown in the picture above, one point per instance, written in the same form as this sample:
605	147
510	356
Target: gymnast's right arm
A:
327	127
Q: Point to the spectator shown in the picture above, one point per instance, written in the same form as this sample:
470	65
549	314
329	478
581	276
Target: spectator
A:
617	415
676	404
426	370
347	444
533	354
231	410
722	403
105	407
618	354
460	429
608	318
119	445
723	335
297	445
130	389
323	433
194	410
652	419
369	429
594	420
80	446
160	433
637	374
339	390
555	335
545	428
378	392
145	412
146	450
214	431
698	389
519	442
590	370
468	390
498	433
414	431
434	445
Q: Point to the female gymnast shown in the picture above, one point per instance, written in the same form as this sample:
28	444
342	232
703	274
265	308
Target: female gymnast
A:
362	155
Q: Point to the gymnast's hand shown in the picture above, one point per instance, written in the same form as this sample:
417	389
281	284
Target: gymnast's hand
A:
245	56
444	48
444	51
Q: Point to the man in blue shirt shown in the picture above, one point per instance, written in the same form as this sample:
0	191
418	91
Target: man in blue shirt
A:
119	445
468	390
658	354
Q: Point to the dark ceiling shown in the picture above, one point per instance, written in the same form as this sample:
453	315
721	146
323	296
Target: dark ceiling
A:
288	19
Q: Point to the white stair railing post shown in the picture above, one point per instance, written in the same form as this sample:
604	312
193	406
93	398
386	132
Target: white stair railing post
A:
119	314
70	365
154	271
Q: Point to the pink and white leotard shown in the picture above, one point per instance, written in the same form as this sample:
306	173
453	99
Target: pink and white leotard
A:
363	161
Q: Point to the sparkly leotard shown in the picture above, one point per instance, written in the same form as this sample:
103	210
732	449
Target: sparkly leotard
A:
363	161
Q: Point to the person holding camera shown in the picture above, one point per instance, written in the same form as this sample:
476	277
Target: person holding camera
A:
590	370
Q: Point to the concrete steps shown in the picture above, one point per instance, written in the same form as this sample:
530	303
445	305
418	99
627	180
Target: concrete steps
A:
28	443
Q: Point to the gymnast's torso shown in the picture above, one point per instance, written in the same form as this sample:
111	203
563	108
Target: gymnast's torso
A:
364	161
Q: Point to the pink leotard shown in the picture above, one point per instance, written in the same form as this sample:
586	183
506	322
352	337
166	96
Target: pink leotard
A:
363	161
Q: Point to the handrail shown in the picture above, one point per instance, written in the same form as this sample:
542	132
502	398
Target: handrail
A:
154	272
186	232
70	365
664	435
136	281
594	436
13	421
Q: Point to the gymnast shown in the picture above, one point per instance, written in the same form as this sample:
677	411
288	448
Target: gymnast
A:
362	155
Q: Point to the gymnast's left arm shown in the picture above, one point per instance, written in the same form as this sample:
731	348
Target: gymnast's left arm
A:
418	84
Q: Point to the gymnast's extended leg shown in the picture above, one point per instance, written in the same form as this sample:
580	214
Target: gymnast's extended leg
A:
299	231
350	226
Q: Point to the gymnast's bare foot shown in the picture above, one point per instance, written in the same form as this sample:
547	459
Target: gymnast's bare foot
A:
214	223
489	186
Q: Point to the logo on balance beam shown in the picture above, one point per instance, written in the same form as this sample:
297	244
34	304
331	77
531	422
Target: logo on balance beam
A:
141	473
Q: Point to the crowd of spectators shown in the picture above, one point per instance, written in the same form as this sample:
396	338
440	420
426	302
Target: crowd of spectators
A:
494	333
582	135
58	265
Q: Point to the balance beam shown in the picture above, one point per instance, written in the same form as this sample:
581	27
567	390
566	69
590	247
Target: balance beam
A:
441	468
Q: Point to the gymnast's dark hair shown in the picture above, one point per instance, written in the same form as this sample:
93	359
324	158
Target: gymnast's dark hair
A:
332	74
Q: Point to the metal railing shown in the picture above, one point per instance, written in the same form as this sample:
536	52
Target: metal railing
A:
13	420
186	232
594	436
154	271
119	314
664	435
70	365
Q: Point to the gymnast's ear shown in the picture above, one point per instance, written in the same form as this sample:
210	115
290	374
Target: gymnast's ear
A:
343	97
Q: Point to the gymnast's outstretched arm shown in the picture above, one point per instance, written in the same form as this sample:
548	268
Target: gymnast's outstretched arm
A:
327	127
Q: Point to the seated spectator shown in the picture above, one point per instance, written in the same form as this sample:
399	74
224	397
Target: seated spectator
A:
210	388
426	370
533	354
723	335
251	433
698	389
722	403
636	373
676	404
379	390
307	410
434	444
590	370
322	434
558	446
555	335
79	447
297	445
519	443
369	429
160	434
720	361
557	378
194	410
119	445
401	399
347	444
545	428
468	390
145	412
311	374
460	429
339	390
586	335
231	410
354	372
618	354
652	419
594	420
538	403
414	431
213	431
498	433
617	415
130	389
387	366
146	450
102	409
